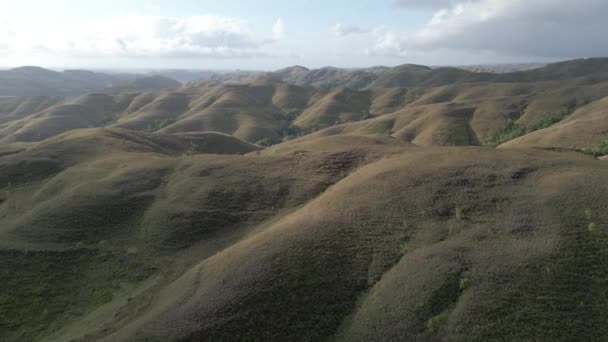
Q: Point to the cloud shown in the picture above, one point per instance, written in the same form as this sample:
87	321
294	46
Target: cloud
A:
387	43
540	28
278	29
343	30
424	4
139	36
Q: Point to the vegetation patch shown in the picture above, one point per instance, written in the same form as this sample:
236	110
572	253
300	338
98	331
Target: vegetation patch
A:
465	283
366	116
43	290
598	150
107	119
558	297
285	130
380	127
162	123
461	135
514	130
434	324
412	95
443	301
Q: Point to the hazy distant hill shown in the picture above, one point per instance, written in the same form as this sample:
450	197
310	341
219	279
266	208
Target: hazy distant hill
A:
328	78
185	76
143	83
501	68
409	75
36	81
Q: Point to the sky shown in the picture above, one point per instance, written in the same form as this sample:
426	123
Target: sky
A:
268	35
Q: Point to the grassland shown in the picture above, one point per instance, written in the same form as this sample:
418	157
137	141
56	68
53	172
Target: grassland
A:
43	290
374	214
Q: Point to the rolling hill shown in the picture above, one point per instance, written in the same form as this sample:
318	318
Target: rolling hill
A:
406	204
266	110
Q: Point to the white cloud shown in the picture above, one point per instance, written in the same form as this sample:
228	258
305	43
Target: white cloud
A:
540	28
387	43
278	29
424	4
343	30
138	36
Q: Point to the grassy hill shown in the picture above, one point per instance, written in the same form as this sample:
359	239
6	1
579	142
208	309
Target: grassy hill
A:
470	210
353	238
487	113
267	111
261	110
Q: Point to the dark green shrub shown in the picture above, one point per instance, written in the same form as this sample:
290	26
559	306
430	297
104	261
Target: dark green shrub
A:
599	150
514	130
435	323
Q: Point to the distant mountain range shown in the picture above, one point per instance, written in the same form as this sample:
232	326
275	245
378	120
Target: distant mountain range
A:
36	81
501	68
411	75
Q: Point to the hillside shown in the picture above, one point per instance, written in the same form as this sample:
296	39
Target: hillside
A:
483	113
388	204
583	129
261	110
195	244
